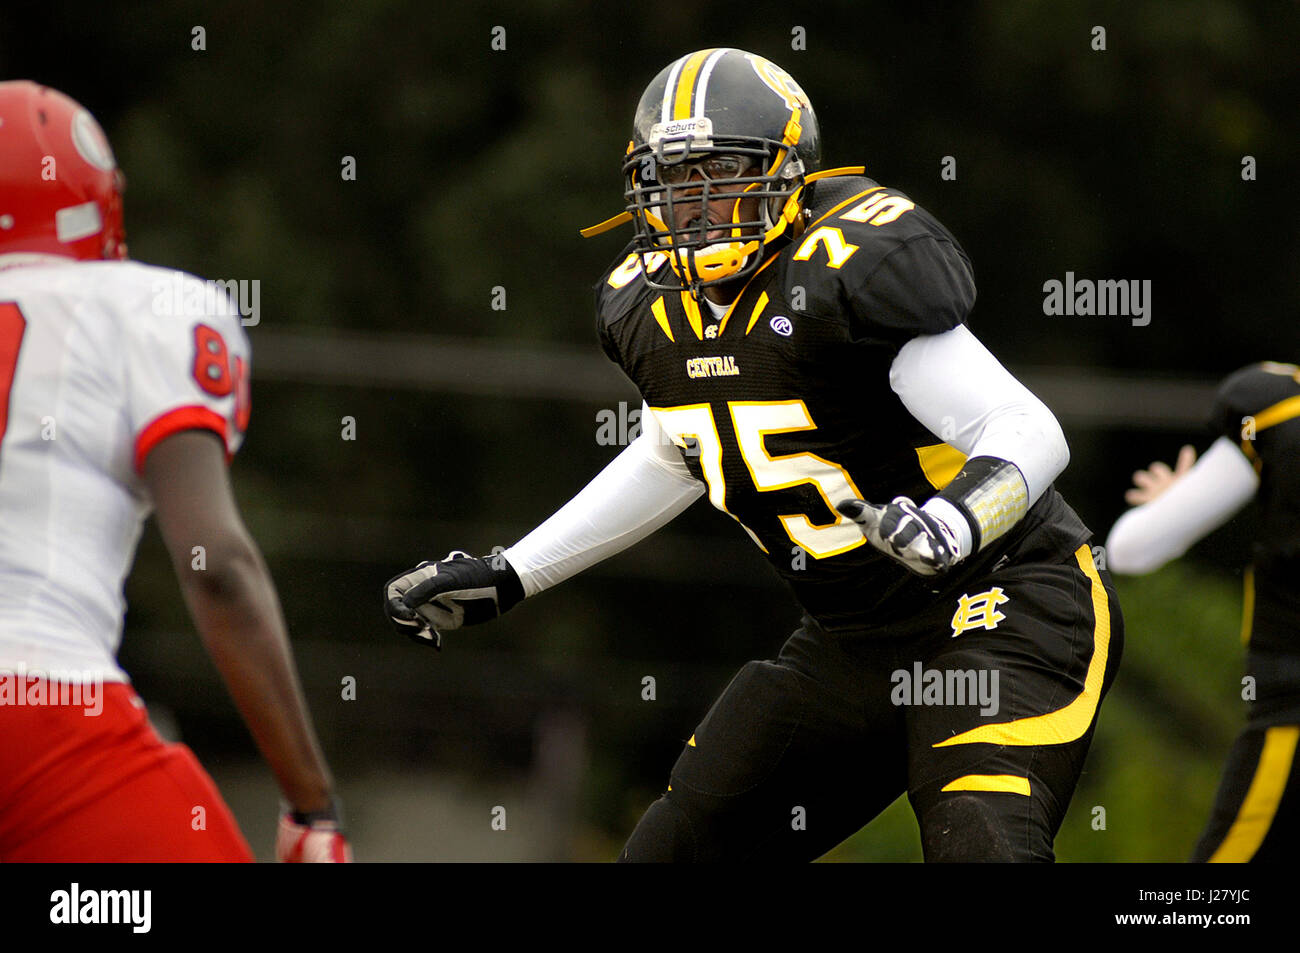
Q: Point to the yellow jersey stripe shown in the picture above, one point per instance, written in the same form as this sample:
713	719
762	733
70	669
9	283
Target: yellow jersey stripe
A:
1069	723
1262	797
759	305
762	302
661	316
692	308
1011	783
1280	412
722	325
940	463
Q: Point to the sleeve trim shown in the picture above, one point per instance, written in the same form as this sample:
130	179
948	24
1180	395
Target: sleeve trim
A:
193	417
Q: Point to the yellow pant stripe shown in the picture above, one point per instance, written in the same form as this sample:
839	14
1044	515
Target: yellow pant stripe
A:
1011	783
1262	797
1069	723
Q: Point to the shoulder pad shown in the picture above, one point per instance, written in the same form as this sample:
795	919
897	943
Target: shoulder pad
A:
166	294
872	254
1251	392
621	287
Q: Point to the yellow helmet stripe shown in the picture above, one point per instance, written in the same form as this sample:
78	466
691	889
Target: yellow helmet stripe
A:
702	87
671	84
686	84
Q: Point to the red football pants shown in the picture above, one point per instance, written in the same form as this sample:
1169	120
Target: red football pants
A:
82	787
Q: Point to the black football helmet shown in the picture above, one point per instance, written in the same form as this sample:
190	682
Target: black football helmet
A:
717	123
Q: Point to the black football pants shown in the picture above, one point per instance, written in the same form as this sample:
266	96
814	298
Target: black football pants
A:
981	708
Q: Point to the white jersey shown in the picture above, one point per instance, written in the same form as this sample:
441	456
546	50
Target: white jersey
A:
99	361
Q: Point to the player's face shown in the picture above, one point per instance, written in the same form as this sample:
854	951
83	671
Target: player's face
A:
688	209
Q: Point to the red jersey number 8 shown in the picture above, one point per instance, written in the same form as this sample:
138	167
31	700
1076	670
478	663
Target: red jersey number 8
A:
215	375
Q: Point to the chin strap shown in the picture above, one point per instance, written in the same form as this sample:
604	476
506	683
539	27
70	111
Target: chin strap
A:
842	170
592	230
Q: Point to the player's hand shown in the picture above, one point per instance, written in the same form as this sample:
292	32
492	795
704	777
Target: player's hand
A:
1149	484
921	541
311	839
436	597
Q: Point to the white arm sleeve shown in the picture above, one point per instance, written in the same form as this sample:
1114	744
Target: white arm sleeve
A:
952	384
641	490
1202	500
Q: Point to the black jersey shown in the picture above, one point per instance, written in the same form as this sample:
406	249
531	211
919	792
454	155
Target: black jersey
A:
784	405
1258	408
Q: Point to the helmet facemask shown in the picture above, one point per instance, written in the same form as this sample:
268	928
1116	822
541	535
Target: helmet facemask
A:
727	214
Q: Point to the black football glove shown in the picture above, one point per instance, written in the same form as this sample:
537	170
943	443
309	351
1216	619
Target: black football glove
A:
435	597
922	542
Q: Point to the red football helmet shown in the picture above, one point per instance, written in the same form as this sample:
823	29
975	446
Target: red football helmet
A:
60	187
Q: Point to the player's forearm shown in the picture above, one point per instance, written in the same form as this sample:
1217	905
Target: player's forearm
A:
1199	502
235	608
952	384
1017	456
630	499
1014	446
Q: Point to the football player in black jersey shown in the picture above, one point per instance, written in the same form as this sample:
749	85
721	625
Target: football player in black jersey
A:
798	337
1256	416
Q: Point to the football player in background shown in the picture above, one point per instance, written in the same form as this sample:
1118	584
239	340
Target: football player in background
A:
114	401
1256	415
799	339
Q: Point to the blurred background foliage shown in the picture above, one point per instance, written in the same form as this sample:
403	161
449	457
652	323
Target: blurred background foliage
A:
475	168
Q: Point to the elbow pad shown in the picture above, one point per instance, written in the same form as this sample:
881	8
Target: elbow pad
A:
991	494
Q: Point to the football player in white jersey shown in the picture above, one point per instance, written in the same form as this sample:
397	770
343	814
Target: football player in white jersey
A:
117	398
